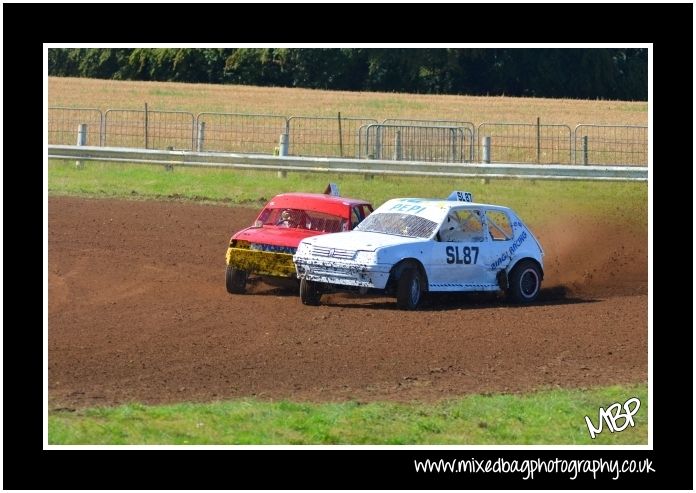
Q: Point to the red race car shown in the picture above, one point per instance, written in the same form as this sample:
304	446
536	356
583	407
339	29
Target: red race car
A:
267	247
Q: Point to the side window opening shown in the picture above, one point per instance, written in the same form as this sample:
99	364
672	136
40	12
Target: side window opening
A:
499	226
327	223
464	225
355	216
358	214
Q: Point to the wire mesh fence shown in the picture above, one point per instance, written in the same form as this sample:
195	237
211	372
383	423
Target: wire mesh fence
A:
402	139
469	130
413	143
324	136
149	129
611	144
238	132
64	122
526	143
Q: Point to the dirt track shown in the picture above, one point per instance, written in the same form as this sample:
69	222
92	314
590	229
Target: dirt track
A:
138	312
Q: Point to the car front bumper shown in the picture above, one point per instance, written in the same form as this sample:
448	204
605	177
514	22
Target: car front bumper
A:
343	273
261	263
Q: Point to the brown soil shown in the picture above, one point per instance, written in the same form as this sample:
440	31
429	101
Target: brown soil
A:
137	311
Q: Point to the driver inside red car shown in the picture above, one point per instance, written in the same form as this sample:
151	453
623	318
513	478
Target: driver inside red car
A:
288	219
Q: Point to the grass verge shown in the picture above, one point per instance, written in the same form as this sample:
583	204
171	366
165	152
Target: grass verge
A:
535	201
544	417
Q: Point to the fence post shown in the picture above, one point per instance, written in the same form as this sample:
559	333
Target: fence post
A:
146	126
538	140
283	151
82	134
487	149
397	146
372	155
585	150
340	135
200	137
169	167
473	143
81	139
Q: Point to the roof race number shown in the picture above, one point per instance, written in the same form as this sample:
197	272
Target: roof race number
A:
461	196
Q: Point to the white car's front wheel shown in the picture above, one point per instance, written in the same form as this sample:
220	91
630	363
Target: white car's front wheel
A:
309	292
410	289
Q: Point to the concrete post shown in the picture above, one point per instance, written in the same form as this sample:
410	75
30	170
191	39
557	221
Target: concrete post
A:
81	139
486	158
283	151
538	129
201	136
283	144
585	150
340	135
169	167
146	127
397	146
82	134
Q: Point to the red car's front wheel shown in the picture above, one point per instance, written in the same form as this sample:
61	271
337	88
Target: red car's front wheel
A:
235	280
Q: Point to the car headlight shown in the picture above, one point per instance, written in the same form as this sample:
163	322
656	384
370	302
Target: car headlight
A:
366	257
303	250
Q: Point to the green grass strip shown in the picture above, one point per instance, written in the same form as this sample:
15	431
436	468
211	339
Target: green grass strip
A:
535	201
544	417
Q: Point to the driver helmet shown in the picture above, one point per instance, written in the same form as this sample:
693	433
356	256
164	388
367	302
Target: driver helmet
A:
450	227
452	222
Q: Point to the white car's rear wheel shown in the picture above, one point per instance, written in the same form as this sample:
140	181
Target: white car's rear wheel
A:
524	282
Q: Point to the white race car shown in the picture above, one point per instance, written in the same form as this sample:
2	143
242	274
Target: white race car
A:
411	246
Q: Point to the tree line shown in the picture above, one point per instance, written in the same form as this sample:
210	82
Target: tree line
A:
586	73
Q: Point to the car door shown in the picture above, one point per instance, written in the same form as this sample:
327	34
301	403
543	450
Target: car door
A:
457	252
499	235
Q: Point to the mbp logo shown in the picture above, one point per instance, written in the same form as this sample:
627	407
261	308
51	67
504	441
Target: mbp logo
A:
613	414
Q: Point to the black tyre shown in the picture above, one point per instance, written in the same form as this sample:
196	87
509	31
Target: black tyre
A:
524	282
235	280
409	290
309	292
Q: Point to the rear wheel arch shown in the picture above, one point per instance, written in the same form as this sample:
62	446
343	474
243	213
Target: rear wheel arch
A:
526	259
524	282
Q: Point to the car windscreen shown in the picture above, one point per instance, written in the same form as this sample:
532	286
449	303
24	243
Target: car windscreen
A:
393	223
302	219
